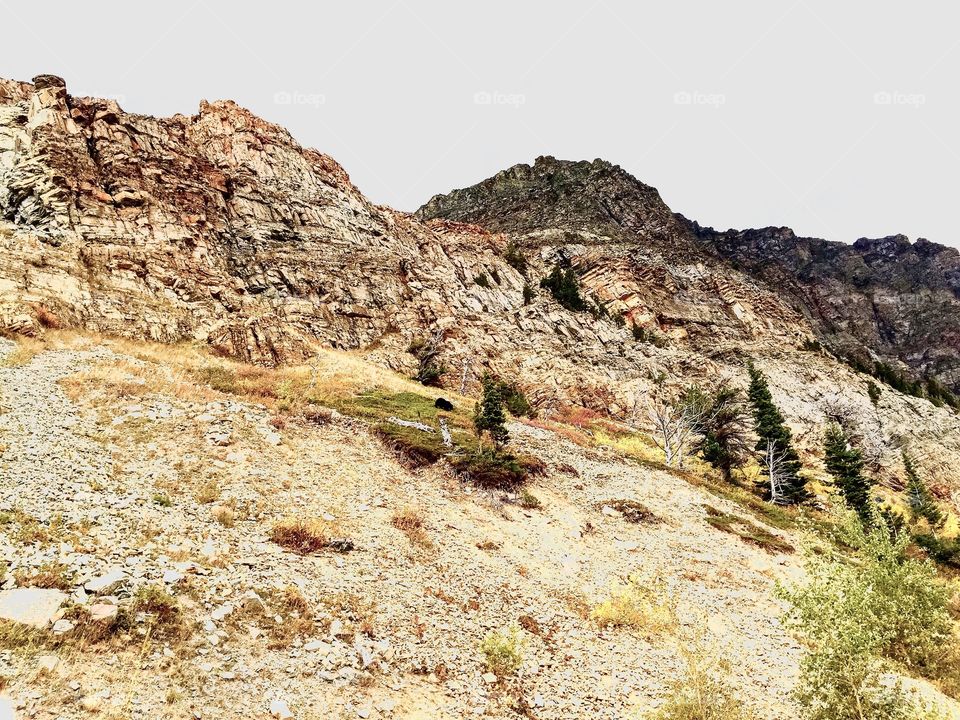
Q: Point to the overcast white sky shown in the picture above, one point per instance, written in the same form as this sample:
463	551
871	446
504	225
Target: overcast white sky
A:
839	119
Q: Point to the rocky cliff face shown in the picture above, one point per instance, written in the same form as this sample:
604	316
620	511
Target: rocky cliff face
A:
897	299
885	298
220	228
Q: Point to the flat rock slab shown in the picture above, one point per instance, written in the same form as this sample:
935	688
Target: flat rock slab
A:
106	581
31	606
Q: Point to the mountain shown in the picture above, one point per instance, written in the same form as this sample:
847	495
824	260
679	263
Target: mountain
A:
222	494
886	299
220	228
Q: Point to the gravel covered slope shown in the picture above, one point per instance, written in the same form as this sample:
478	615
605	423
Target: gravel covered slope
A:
123	485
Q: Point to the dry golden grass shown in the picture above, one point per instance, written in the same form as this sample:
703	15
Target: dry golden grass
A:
410	522
647	606
303	536
225	516
52	576
208	492
284	613
190	372
25	351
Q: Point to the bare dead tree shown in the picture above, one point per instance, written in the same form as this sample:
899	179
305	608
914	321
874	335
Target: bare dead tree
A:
774	459
466	375
676	422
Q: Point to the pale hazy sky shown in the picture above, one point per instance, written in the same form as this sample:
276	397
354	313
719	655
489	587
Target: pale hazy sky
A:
839	119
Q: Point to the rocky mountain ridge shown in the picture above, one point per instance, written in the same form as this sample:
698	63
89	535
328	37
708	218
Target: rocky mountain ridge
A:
885	298
219	228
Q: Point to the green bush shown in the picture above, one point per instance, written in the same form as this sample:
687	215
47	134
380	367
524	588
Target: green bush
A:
565	288
515	258
488	414
528	293
855	615
482	281
491	469
503	651
873	391
514	400
427	352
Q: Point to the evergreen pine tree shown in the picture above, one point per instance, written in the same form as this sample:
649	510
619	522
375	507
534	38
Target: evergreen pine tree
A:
845	464
724	443
921	502
488	414
775	439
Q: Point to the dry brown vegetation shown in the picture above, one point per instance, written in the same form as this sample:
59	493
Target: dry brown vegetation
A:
410	522
303	536
52	576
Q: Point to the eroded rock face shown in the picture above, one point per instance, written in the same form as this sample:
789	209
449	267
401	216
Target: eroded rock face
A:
219	227
900	300
886	298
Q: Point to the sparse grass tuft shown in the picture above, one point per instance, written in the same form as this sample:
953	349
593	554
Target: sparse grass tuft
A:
208	492
410	522
164	615
503	651
645	606
224	515
303	536
747	530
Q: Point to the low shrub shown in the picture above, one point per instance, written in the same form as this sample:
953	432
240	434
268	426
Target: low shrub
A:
503	651
491	469
632	511
415	448
303	536
162	500
528	293
565	288
647	606
482	281
164	616
648	336
747	531
427	353
706	690
855	615
529	501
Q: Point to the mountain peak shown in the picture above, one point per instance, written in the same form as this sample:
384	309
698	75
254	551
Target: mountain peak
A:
566	195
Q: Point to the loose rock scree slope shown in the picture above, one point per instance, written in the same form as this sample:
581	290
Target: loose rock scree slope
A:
394	628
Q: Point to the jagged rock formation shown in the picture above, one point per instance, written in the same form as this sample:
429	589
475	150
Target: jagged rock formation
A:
883	298
220	228
900	300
